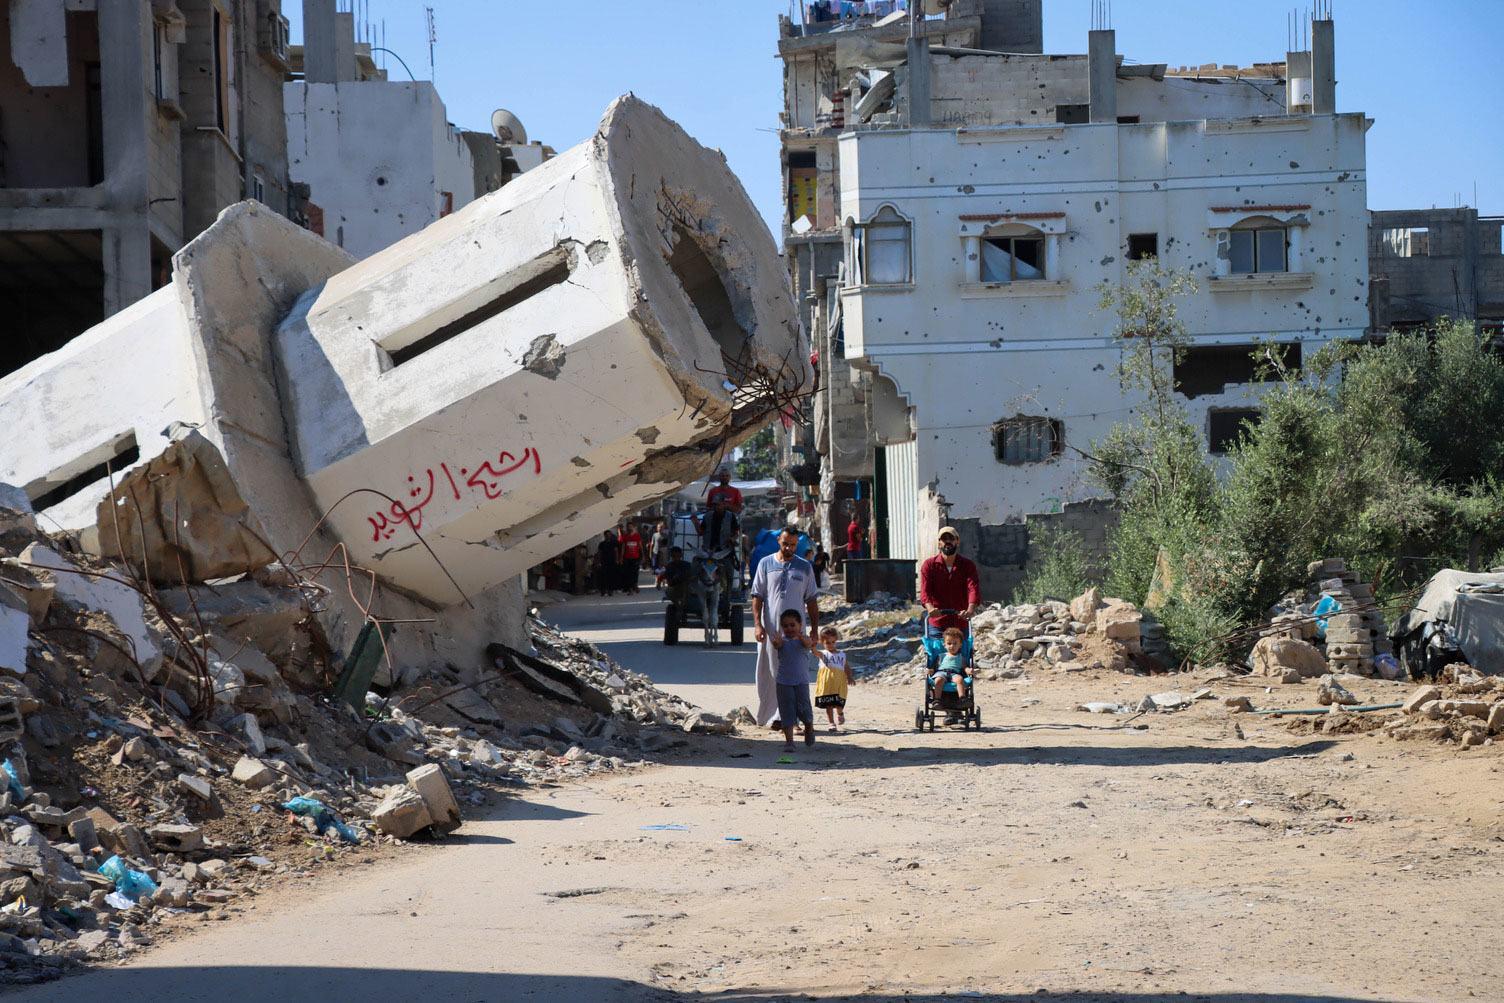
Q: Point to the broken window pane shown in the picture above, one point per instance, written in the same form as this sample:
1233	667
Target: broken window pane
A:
1005	259
1271	251
1027	440
1225	428
1142	246
1406	242
1241	251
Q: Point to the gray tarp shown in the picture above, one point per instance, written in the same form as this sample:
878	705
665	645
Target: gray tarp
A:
1470	607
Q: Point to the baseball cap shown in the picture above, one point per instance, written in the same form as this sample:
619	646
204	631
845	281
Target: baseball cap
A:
948	529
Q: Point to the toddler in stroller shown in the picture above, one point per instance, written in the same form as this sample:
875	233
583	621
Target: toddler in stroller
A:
948	684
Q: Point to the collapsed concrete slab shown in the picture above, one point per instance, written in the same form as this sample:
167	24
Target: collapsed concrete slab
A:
504	384
507	377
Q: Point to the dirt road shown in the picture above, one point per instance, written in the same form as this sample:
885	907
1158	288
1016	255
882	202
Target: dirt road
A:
1038	860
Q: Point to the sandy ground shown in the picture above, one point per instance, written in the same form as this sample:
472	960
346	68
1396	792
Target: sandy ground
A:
1053	856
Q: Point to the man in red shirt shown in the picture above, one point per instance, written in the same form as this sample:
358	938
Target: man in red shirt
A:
729	496
949	581
630	544
855	538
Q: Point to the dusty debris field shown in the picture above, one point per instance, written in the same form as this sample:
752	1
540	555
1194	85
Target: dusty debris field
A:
1052	851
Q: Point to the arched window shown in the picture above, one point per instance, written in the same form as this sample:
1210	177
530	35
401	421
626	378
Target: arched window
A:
1013	253
1259	244
884	248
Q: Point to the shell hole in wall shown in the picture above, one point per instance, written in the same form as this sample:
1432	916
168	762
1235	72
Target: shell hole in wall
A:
707	291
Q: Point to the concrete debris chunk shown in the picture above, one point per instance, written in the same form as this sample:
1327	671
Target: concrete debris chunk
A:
176	838
1276	656
180	516
1331	692
253	773
197	786
1422	696
15	642
105	593
429	782
402	813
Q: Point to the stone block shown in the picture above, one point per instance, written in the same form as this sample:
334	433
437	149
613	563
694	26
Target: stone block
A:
1421	696
196	786
402	813
1276	656
83	832
173	838
430	784
253	773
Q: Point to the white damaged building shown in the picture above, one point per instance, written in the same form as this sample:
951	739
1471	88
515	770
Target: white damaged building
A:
981	214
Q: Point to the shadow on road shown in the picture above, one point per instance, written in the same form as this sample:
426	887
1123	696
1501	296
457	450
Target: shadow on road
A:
319	985
830	753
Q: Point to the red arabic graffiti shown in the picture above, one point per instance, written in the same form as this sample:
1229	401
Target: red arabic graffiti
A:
485	478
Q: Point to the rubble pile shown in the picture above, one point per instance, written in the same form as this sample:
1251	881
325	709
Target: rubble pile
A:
164	752
1466	707
1090	632
1335	617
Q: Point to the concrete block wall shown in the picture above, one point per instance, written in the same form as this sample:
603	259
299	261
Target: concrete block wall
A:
1006	553
1013	25
1426	287
974	91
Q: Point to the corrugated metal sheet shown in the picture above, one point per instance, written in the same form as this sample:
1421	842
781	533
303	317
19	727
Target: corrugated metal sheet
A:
902	465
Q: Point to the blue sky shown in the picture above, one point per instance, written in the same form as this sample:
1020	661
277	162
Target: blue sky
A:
1428	73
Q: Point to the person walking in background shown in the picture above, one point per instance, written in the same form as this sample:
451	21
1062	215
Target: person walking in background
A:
660	552
821	563
856	539
631	556
605	564
730	497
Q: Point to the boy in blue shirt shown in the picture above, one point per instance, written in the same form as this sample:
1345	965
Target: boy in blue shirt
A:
952	666
792	644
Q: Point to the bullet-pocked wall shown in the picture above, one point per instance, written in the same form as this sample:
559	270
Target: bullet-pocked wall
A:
997	340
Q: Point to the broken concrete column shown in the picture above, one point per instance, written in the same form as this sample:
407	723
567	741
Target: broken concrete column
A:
513	379
507	383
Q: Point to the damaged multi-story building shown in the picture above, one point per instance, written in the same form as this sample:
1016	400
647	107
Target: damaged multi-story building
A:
126	128
1426	264
379	157
985	194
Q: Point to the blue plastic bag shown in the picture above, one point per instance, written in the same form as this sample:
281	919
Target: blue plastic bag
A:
1325	608
134	885
323	818
13	783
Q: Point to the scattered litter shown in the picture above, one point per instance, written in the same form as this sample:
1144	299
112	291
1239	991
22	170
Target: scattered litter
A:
670	827
134	885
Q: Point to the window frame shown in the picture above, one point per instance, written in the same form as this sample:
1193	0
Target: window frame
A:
886	217
1136	254
1035	448
1012	240
1256	249
1390	242
1213	414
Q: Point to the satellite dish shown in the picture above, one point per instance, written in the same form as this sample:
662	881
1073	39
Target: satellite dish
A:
507	128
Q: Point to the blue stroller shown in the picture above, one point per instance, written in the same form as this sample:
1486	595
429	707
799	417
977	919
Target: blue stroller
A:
957	709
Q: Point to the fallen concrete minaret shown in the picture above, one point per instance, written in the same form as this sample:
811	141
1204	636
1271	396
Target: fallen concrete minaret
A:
446	413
